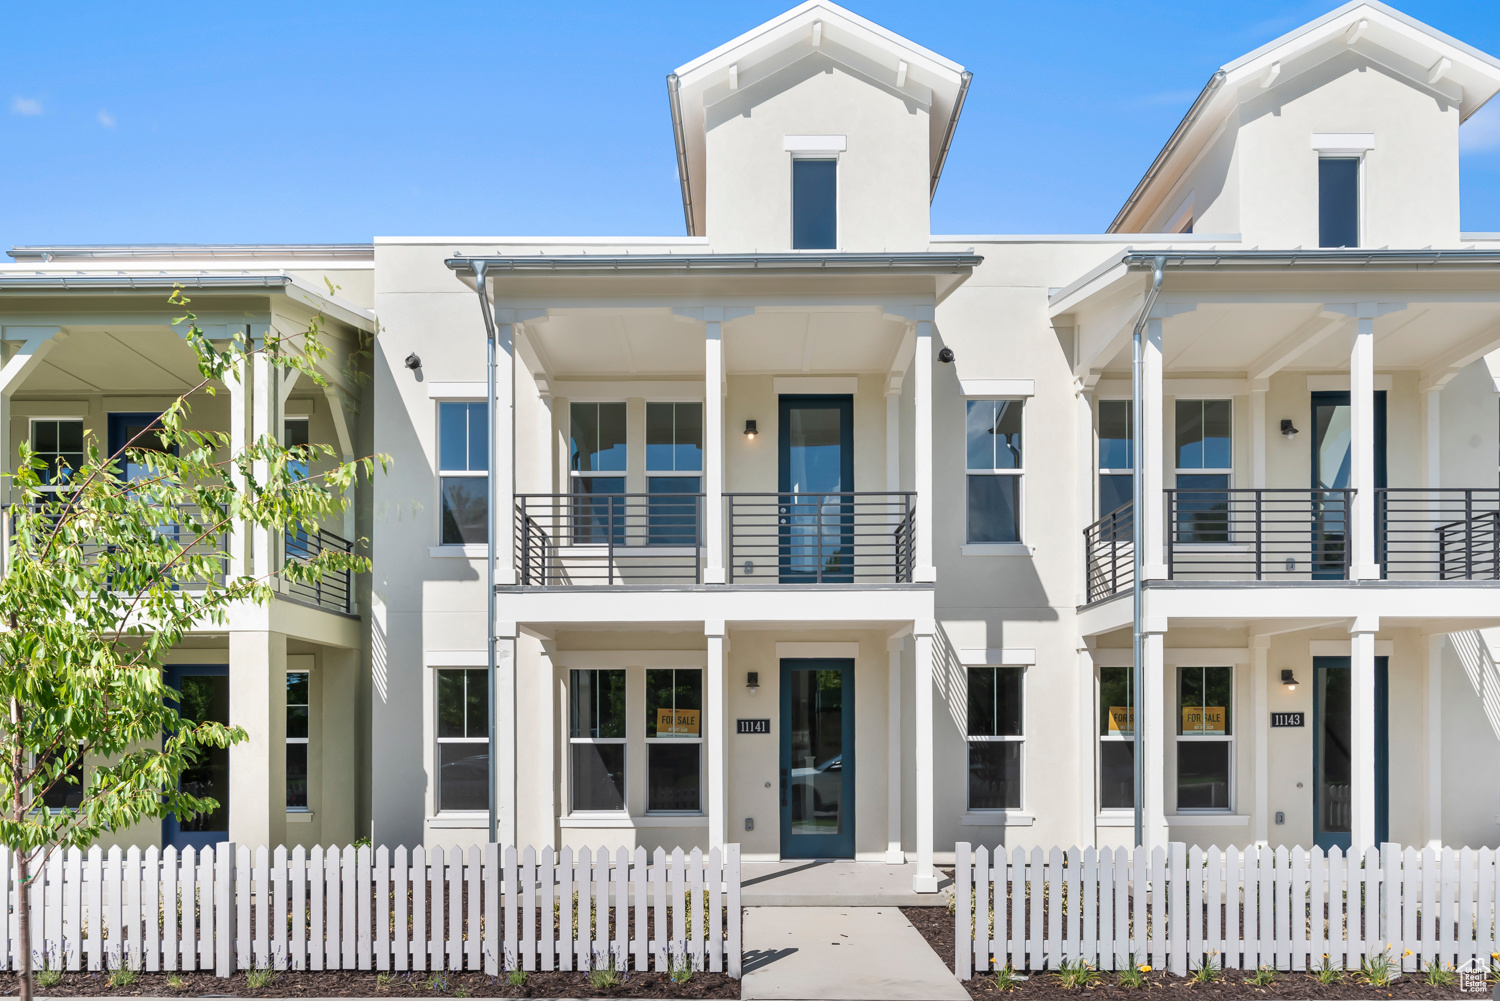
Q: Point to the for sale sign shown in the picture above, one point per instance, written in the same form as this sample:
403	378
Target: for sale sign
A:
679	721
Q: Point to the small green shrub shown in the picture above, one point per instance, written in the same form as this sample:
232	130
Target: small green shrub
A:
1264	976
1005	979
48	977
383	980
1377	971
681	974
123	976
437	982
516	978
176	982
1435	974
1133	977
460	991
1077	974
1327	974
1207	971
603	978
257	977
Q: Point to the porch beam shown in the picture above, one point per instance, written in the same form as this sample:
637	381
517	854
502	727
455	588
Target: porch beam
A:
1434	756
36	343
503	447
1296	344
1441	370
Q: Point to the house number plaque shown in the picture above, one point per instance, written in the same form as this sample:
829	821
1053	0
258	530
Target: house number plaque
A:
1288	719
752	726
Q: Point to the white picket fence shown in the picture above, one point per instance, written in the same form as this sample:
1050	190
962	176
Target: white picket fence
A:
485	908
1179	908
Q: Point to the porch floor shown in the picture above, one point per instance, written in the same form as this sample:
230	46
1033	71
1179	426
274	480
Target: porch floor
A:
834	883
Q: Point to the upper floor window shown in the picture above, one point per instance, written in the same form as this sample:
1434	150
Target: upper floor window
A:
814	204
463	467
58	443
993	434
674	467
1116	455
596	471
995	738
1338	201
1203	468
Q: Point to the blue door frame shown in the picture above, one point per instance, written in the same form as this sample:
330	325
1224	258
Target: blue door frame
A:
813	785
832	558
1323	568
200	834
1326	839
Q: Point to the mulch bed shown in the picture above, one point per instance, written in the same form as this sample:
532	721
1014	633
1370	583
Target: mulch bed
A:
353	983
936	926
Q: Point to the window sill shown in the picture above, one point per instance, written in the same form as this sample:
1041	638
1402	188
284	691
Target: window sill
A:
1209	819
300	816
997	818
1122	818
622	820
469	551
459	821
997	549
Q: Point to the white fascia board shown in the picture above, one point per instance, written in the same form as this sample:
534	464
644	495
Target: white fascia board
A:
1109	239
529	241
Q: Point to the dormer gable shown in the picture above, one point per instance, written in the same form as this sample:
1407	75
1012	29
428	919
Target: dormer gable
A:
817	83
1366	85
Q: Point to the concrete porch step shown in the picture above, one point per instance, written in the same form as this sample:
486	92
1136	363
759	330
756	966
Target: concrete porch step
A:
834	883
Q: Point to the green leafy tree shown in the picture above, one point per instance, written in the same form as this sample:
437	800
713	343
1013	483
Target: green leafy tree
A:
106	575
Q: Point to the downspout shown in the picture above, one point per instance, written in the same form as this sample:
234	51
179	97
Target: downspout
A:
1138	546
480	286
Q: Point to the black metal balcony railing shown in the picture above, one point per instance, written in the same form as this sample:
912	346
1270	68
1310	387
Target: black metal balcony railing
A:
174	526
1438	534
826	538
1109	554
1255	534
334	590
638	539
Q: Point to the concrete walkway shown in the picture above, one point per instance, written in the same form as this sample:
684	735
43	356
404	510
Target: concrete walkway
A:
830	883
841	954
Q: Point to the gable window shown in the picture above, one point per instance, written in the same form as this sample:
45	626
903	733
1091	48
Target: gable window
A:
463	747
1205	737
995	738
596	471
814	203
296	740
1338	201
993	431
596	738
463	468
1116	739
58	443
1116	455
1204	458
674	472
674	740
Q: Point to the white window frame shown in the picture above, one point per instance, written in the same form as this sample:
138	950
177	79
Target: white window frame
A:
443	474
31	439
1356	151
438	741
652	741
624	809
1229	738
830	151
1100	470
1117	737
1020	738
304	741
1020	474
1226	472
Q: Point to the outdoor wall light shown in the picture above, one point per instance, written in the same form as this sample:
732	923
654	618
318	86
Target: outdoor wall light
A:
1288	679
752	681
1288	429
750	430
413	361
945	355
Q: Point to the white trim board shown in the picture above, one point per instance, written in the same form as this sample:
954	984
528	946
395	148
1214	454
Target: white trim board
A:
815	385
455	658
1343	648
815	144
1177	656
996	657
997	388
1340	383
1343	142
609	390
798	651
606	659
455	390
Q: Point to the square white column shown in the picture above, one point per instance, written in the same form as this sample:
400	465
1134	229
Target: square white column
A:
503	705
1362	733
1088	742
713	446
716	735
502	539
262	424
894	855
1150	461
924	571
1362	447
1435	740
1260	650
1152	716
925	880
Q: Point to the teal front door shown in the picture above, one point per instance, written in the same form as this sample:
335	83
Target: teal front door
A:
1333	769
1332	455
817	759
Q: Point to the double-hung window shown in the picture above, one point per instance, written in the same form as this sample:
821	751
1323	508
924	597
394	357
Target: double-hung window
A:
463	473
995	738
1205	738
993	432
674	472
1204	458
674	740
58	443
1116	455
596	737
1116	739
815	182
463	749
296	739
596	472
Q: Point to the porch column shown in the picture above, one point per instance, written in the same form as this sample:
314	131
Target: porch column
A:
503	705
261	416
1152	718
35	344
1362	732
713	444
1258	389
1362	446
1260	649
894	855
925	880
1435	740
716	735
502	447
924	572
1088	743
1153	483
257	765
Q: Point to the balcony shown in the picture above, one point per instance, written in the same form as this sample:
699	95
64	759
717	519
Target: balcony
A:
659	540
1299	535
332	591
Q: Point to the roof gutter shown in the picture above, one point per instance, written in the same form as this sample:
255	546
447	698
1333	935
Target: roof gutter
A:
913	263
958	107
679	138
1334	259
1193	114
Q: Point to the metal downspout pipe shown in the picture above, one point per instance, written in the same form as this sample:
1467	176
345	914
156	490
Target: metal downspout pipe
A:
1138	540
481	286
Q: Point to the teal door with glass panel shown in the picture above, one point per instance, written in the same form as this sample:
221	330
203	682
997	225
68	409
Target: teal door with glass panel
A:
1332	455
1333	764
817	759
814	513
205	698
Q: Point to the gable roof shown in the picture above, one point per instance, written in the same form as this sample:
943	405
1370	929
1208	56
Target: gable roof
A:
1379	32
814	26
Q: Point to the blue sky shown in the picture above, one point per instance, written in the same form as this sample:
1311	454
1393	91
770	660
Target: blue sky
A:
307	122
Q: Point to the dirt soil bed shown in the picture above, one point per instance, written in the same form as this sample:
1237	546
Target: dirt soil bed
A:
936	926
351	983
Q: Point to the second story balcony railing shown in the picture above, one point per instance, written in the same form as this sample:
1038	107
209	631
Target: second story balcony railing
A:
178	525
334	590
1109	554
1438	534
827	538
611	539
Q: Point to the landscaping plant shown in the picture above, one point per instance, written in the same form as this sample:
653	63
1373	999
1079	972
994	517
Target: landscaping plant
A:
105	577
1077	974
516	978
1207	971
257	977
1327	974
1005	979
1435	974
602	978
683	972
1377	971
1264	976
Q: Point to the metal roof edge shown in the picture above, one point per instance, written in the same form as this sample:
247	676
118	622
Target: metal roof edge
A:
632	263
149	251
